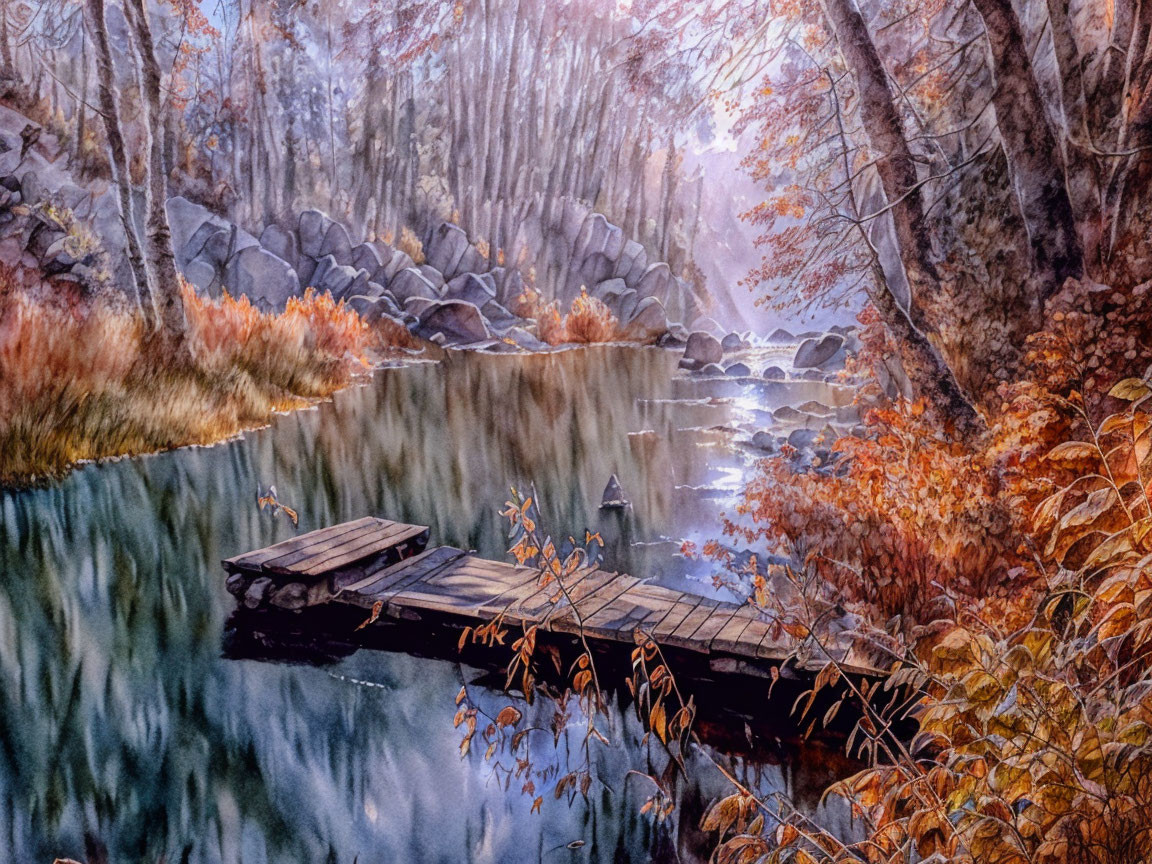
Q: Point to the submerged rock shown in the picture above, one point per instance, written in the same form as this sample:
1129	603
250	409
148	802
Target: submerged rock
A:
738	370
613	497
817	351
775	373
703	348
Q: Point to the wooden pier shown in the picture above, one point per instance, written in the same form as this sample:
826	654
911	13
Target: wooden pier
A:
383	568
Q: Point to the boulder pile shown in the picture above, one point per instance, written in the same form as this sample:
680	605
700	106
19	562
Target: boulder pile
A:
452	297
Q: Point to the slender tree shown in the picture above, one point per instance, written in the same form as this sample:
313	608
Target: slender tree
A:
161	258
117	153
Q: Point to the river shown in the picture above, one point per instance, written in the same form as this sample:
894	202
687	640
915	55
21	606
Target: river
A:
122	720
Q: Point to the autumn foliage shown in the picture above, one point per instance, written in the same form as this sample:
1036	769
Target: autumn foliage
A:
1006	589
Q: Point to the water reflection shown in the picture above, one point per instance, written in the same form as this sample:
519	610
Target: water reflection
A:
120	720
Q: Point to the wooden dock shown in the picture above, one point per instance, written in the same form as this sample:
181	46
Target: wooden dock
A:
383	568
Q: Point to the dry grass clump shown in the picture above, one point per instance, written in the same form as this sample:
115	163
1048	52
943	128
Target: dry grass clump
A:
81	379
588	320
410	244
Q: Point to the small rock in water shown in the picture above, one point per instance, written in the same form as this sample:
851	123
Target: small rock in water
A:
801	438
738	370
703	348
712	369
765	441
732	342
613	498
817	351
775	373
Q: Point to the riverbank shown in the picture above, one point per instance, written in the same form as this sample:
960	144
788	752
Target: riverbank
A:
82	380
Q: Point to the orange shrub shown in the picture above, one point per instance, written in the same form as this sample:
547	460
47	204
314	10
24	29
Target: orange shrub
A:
903	513
589	320
1031	684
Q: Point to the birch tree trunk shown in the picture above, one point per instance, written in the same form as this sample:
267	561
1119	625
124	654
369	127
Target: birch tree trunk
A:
166	286
117	154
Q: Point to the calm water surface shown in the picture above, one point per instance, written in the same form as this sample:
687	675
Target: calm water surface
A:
120	719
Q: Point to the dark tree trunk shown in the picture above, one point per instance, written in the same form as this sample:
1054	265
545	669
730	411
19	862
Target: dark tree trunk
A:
926	369
1082	180
1034	158
895	162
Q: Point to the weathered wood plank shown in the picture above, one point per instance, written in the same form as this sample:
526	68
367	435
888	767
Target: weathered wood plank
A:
568	619
255	559
535	605
728	639
684	607
711	627
773	646
376	583
357	550
520	584
577	591
465	587
282	563
675	607
622	616
681	637
396	584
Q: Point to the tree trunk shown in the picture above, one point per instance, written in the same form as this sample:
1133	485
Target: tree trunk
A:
82	106
926	369
166	287
117	154
1081	180
895	162
1034	159
7	66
